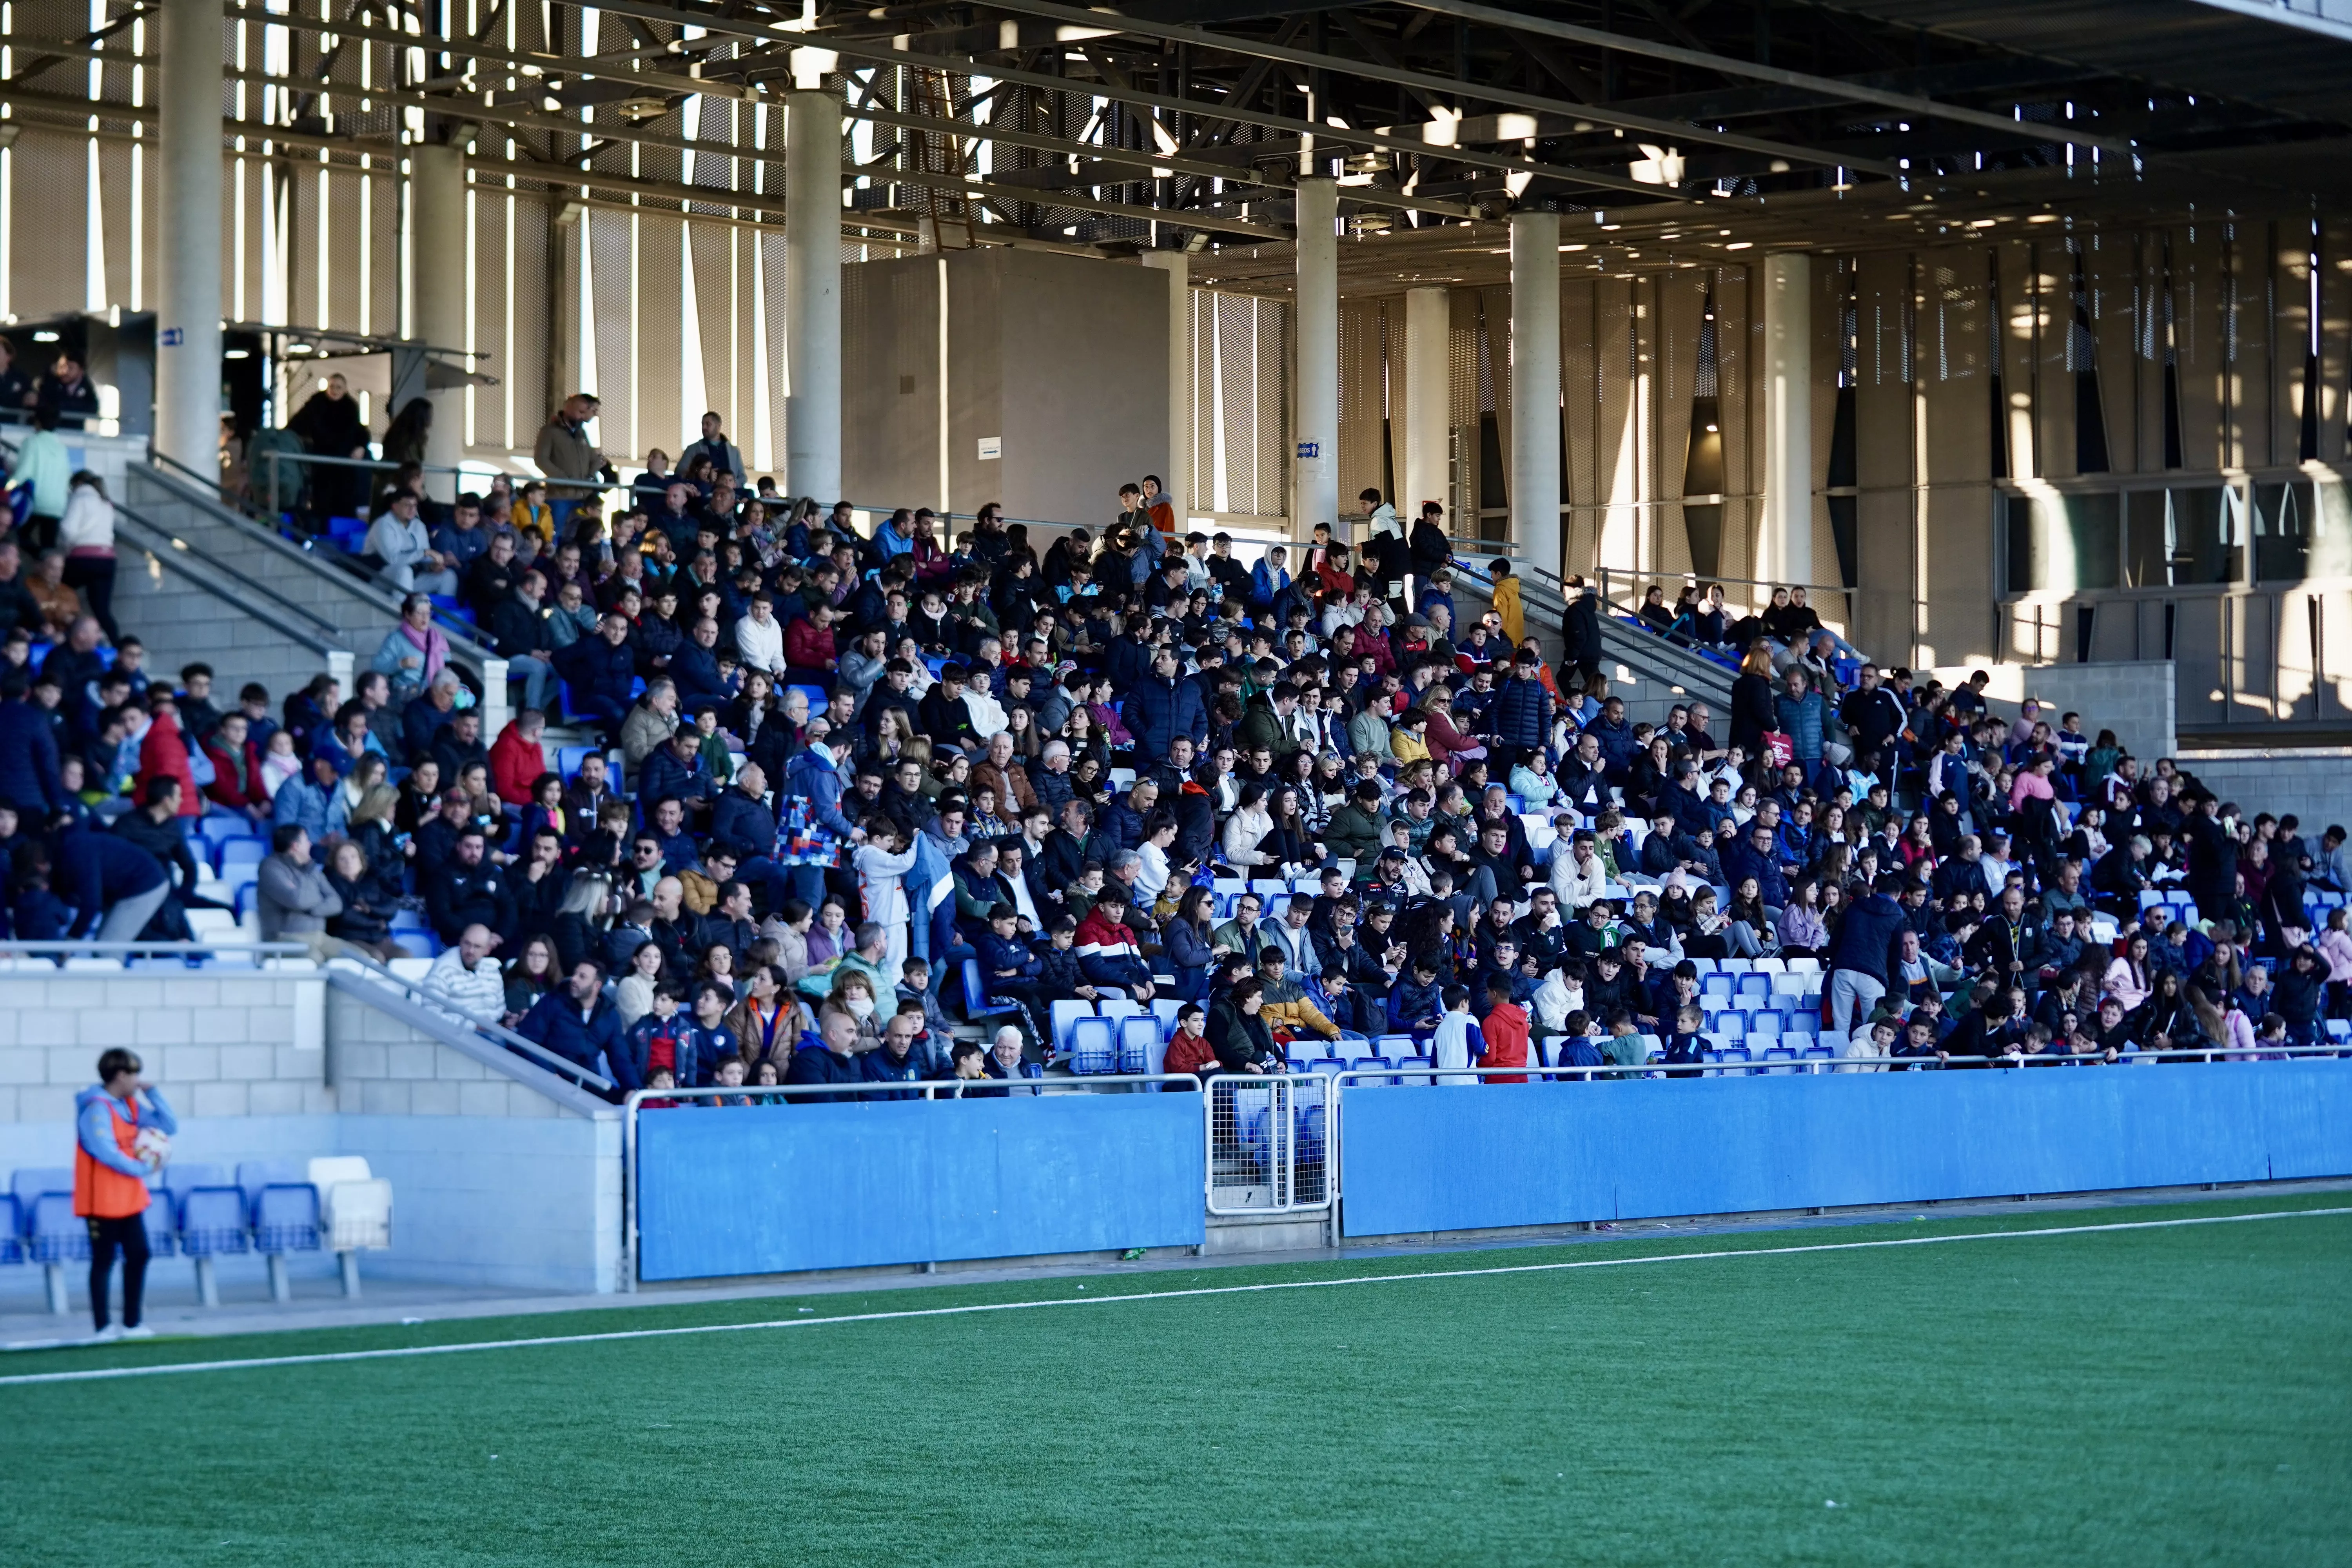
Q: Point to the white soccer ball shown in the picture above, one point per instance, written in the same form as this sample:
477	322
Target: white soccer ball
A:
153	1145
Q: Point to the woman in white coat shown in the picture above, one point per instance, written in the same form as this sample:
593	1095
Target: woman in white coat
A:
86	534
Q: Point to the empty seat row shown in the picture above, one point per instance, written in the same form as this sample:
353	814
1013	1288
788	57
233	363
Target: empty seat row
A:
202	1211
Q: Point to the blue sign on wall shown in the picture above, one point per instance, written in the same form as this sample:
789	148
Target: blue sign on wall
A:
775	1189
1424	1159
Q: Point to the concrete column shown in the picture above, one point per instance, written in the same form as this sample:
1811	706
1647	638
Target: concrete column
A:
1428	400
188	351
1176	475
812	295
1535	387
1315	494
437	175
1785	546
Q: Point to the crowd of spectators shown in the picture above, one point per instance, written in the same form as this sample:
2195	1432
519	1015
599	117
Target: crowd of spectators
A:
854	766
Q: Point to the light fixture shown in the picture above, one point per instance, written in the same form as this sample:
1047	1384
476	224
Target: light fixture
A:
298	348
1710	430
1741	245
237	353
44	337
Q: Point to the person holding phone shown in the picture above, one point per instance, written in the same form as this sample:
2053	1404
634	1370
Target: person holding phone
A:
116	1122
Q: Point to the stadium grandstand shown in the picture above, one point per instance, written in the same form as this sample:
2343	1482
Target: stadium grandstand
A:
679	656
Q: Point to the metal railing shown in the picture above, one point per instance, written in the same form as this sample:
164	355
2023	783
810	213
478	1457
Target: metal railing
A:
70	949
497	1034
468	642
883	1091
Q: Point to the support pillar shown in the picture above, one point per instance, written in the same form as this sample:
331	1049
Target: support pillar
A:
1315	494
1534	388
1428	402
812	295
436	173
188	340
1176	476
1784	551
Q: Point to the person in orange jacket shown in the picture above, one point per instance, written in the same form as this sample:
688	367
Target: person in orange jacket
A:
109	1189
1505	1027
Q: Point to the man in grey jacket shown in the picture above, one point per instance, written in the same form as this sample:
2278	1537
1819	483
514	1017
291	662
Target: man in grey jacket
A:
295	900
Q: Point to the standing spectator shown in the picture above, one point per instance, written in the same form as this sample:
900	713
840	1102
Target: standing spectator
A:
86	536
1581	630
65	392
43	465
114	886
329	425
714	448
563	450
28	752
293	894
111	1119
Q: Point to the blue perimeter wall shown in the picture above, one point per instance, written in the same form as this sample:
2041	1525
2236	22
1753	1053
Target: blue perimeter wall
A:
771	1190
1435	1159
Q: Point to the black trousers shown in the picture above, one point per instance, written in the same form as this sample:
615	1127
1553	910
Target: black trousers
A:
105	1236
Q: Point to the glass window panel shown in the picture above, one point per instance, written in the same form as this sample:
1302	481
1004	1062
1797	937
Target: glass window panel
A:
2207	523
2283	518
2148	540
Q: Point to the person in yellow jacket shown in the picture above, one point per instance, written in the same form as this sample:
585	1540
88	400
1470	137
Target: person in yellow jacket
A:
1408	740
1506	604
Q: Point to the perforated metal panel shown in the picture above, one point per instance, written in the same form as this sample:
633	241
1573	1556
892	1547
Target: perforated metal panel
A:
771	281
48	181
1616	428
613	282
1361	394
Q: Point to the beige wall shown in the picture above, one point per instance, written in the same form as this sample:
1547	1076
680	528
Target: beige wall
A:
1062	358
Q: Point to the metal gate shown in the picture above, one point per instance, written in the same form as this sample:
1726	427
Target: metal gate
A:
1268	1144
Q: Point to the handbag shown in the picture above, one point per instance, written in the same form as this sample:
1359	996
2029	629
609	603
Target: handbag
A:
1779	748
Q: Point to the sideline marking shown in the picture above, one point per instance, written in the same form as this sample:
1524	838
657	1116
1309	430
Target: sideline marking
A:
1114	1298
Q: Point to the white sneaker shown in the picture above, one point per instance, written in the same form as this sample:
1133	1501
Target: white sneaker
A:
142	1333
107	1335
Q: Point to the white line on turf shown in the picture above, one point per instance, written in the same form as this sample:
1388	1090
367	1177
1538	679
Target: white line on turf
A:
1116	1297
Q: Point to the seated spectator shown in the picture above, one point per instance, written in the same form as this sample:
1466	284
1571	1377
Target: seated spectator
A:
293	895
466	980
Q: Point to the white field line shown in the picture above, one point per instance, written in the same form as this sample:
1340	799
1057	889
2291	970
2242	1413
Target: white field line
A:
1117	1298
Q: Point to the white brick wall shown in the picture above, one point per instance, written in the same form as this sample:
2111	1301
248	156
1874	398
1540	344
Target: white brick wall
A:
217	1045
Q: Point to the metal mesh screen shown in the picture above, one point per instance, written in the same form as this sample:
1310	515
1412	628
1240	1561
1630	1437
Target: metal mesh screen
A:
48	185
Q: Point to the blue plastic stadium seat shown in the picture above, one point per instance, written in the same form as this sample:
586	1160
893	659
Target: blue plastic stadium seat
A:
1408	1079
815	695
1093	1048
213	1222
59	1235
1165	1009
163	1223
1138	1042
12	1230
976	1005
1391	1047
286	1218
1064	1016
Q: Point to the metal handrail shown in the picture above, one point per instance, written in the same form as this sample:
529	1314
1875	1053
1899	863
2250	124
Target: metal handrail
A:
70	948
381	464
552	1060
172	543
466	637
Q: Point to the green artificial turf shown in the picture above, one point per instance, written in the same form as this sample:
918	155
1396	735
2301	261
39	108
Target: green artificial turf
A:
2173	1395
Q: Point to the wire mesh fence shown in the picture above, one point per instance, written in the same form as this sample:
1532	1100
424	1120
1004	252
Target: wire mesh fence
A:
1268	1144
